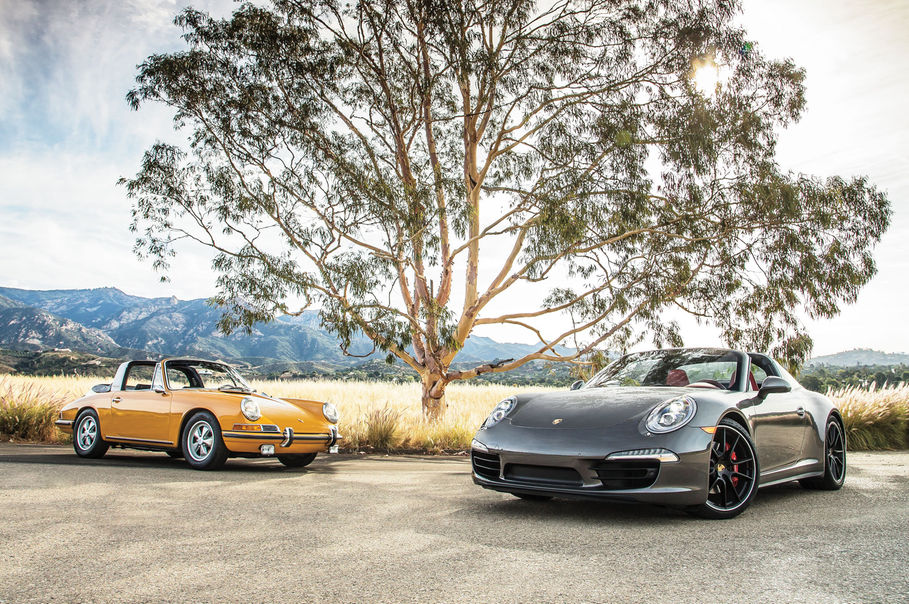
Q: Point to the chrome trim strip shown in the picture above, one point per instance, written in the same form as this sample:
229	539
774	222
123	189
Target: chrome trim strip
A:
251	435
64	422
140	440
288	437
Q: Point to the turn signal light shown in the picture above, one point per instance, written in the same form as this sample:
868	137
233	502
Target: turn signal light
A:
248	427
709	429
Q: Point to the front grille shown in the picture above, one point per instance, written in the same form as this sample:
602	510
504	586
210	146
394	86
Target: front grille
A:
486	464
628	474
551	475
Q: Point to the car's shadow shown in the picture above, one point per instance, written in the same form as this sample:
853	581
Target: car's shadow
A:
264	467
767	501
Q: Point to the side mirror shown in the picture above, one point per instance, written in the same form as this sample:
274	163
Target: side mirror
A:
773	385
101	388
577	385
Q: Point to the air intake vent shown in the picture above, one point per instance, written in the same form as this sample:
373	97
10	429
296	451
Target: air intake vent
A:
631	474
486	465
550	475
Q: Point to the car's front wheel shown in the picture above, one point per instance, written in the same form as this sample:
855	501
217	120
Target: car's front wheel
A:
298	460
834	460
202	444
87	439
733	473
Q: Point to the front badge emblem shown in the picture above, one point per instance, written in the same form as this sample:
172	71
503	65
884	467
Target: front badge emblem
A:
557	421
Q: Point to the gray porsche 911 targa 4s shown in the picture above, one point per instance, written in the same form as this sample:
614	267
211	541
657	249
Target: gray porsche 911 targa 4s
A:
697	428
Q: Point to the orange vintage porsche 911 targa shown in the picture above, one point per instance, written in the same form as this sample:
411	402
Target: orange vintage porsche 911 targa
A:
203	411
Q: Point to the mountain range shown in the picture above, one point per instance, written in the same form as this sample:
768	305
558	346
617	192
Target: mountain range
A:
109	322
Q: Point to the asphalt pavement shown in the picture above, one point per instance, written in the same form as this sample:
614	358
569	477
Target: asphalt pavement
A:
143	527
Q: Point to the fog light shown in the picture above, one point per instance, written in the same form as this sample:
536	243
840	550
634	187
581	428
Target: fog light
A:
267	449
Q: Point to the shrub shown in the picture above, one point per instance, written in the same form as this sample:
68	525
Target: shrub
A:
28	412
875	418
382	429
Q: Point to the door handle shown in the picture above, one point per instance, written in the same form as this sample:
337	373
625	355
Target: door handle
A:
800	411
116	399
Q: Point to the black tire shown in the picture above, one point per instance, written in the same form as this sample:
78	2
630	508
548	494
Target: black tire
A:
834	460
87	441
201	442
297	460
529	497
733	473
175	454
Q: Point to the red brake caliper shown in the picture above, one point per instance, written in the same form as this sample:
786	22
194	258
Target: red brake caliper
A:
735	467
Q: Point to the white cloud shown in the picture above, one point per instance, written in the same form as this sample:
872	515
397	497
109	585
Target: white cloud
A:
66	135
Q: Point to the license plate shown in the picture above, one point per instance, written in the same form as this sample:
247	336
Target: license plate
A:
333	449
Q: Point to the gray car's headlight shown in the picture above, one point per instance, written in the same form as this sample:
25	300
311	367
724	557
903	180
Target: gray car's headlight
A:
672	414
331	413
499	413
250	408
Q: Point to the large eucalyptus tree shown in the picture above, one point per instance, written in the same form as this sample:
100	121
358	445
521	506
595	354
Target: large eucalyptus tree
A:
372	158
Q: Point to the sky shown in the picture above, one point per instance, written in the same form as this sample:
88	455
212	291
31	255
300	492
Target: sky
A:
67	135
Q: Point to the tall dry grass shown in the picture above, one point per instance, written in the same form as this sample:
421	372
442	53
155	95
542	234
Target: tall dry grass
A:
875	418
28	411
375	416
382	416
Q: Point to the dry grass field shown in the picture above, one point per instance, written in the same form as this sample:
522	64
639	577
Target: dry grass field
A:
379	416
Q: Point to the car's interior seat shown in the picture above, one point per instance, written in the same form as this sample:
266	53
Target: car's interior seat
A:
751	380
677	377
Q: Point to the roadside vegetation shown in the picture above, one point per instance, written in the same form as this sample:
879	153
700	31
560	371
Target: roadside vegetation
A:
388	417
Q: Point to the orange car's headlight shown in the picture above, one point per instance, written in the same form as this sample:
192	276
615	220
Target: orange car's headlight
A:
331	413
250	408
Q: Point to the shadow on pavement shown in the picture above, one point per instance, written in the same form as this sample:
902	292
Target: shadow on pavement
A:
122	459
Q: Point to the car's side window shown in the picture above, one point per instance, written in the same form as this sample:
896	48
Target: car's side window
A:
761	367
139	377
178	378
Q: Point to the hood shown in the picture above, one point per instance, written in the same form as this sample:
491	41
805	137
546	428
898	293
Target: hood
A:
593	408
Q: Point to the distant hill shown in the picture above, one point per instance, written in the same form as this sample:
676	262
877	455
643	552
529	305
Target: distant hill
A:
107	321
860	356
30	328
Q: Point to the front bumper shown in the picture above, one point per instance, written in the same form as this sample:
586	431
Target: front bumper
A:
286	441
574	470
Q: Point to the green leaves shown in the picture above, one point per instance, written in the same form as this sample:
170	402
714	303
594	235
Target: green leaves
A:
354	156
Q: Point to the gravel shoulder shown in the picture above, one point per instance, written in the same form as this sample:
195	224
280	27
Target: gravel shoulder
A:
139	526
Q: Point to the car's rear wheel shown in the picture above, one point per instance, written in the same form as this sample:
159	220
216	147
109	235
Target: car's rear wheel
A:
529	497
733	472
834	460
87	440
202	444
297	460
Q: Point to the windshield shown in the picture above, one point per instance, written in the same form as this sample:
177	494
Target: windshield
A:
183	375
700	368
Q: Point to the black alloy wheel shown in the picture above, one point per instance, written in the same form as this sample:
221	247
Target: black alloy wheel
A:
733	472
834	460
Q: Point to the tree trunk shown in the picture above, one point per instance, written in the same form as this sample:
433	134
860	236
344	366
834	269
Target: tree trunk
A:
434	404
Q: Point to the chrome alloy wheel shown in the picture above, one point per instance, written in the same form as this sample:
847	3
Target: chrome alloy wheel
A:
87	432
836	452
732	477
200	440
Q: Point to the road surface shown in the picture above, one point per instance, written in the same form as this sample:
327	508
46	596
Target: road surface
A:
143	527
